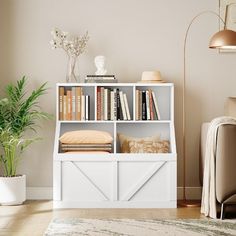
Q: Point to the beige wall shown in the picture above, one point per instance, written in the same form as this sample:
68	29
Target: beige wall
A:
134	35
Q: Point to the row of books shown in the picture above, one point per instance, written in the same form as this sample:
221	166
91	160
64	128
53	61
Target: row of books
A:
146	105
73	104
112	104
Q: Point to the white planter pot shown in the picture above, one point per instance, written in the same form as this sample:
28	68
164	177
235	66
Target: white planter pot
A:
12	190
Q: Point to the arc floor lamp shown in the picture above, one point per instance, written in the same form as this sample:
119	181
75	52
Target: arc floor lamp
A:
224	39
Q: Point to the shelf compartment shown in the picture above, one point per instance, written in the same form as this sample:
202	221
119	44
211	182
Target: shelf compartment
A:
142	130
87	90
66	127
164	96
128	90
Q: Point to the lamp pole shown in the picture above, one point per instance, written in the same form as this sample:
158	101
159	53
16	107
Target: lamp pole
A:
186	202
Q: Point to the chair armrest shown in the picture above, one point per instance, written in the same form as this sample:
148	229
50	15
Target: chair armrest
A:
226	162
203	137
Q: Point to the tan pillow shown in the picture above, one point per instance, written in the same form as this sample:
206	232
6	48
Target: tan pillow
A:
149	146
230	107
143	145
86	136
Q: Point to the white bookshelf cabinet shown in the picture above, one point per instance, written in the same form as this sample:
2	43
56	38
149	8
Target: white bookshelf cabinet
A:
118	180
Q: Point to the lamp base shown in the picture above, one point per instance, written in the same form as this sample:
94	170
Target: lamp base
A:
189	203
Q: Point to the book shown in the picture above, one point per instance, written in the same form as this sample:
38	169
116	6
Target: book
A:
101	76
115	104
65	107
73	103
105	112
108	104
119	111
69	104
83	107
136	104
112	108
123	105
78	103
98	103
156	106
148	105
144	111
61	103
87	107
102	103
151	105
140	105
127	107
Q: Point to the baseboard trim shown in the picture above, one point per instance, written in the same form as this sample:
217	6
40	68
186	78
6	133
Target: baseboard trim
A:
46	193
39	193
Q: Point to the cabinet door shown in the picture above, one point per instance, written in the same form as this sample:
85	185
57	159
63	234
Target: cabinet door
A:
86	181
147	181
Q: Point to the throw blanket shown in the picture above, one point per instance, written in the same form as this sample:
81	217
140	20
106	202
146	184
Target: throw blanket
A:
208	205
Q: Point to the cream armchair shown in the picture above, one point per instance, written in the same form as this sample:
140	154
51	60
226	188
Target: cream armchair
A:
225	164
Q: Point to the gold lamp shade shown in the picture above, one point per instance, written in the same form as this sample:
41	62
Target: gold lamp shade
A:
224	39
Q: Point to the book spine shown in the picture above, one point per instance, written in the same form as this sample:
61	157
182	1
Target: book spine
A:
87	112
140	105
119	112
69	104
148	106
136	104
65	107
123	106
127	107
61	103
112	105
78	103
82	107
108	104
98	103
105	104
156	106
151	104
144	112
102	103
73	103
115	104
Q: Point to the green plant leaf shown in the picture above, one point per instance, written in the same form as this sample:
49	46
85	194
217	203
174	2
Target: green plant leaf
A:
18	113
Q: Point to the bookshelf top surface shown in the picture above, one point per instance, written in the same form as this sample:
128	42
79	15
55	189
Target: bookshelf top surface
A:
116	84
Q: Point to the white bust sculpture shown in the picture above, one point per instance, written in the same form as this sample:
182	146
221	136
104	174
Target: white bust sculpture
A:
100	64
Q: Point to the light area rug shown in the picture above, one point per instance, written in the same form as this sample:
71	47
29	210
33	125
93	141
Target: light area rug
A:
130	227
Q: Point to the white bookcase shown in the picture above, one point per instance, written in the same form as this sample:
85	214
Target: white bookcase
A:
118	180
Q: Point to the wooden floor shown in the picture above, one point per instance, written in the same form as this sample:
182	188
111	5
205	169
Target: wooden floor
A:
32	218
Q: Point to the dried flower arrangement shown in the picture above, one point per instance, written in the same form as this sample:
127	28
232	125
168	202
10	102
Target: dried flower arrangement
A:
72	45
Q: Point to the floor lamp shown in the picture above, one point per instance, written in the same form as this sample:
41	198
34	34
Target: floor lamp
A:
224	39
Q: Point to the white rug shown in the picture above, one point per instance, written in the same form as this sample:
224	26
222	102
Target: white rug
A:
129	227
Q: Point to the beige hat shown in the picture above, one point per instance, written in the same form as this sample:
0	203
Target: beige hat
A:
151	77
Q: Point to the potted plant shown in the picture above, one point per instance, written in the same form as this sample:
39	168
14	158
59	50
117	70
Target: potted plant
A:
19	112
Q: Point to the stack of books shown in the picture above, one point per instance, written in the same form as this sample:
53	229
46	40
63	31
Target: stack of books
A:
100	79
85	147
146	105
73	104
112	104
